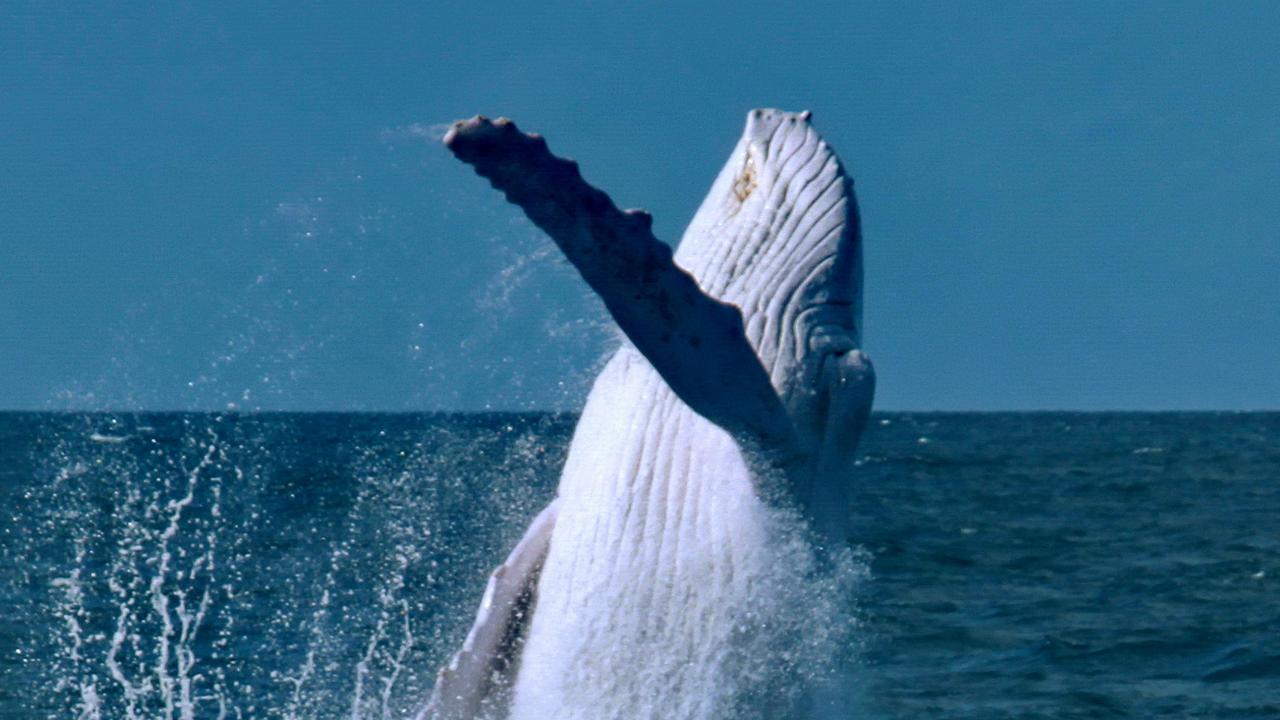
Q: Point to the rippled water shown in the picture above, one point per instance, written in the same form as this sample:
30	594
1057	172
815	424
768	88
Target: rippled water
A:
321	566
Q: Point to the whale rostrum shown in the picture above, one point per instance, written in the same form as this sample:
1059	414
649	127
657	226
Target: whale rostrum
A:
740	389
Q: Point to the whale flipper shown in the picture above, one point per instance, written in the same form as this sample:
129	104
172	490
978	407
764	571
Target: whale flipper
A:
476	677
694	341
849	382
845	392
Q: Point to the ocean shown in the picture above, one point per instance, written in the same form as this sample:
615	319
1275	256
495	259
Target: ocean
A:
1018	565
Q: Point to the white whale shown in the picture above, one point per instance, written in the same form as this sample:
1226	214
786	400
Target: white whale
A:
739	389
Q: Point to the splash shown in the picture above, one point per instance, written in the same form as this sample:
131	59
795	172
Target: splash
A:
211	567
139	597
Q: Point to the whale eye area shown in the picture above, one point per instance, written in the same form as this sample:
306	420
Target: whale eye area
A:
745	184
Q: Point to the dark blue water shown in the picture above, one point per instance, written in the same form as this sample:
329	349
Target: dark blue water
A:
322	566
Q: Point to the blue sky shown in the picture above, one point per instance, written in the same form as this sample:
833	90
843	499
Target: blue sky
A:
1065	205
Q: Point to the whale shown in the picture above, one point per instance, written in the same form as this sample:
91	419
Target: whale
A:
732	407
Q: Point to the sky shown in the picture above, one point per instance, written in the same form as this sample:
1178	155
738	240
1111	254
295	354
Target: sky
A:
245	205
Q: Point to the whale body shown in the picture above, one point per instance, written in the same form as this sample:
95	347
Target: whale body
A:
734	403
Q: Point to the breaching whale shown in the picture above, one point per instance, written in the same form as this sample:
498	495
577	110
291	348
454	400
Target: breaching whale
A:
739	389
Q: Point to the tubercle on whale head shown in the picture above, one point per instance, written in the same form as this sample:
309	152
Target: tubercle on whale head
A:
763	123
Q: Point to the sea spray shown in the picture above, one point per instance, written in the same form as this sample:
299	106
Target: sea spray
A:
141	592
213	567
795	650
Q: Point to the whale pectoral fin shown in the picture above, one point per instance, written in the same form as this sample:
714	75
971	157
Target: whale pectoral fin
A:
478	675
844	392
695	342
850	386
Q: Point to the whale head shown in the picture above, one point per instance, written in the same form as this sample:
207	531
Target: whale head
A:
778	236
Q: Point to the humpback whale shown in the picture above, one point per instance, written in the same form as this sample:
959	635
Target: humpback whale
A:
737	397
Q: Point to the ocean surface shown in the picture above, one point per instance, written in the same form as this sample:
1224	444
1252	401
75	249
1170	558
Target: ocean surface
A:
1043	565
